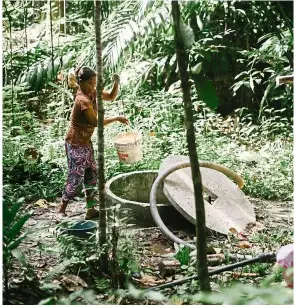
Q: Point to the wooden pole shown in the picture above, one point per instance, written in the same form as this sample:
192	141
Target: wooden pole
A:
182	59
100	136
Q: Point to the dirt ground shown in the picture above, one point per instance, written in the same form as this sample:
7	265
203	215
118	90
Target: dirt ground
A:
273	217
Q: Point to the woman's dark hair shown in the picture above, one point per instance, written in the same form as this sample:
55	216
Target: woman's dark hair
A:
84	73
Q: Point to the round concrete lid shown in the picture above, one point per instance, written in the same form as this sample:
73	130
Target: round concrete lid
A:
230	208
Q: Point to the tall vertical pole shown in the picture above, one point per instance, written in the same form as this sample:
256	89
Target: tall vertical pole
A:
182	59
100	136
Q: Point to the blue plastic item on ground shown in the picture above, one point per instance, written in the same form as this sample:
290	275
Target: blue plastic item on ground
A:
82	229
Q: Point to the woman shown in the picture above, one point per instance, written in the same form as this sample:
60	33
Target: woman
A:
78	145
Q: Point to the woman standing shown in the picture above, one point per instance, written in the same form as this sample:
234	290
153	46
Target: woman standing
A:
78	145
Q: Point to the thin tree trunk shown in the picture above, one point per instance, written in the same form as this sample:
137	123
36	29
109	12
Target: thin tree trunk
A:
52	44
61	11
5	276
26	35
182	59
100	135
11	63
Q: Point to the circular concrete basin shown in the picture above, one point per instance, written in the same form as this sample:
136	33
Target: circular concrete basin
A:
132	191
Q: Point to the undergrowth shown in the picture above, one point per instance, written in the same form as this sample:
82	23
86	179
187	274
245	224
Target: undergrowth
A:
34	161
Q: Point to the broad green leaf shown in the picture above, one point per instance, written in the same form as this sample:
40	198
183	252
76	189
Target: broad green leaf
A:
206	91
6	214
236	86
12	213
241	11
16	228
199	22
269	87
16	243
48	301
251	82
38	78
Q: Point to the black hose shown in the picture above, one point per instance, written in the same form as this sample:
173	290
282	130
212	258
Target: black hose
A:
261	258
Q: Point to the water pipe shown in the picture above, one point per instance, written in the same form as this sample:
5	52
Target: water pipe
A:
269	257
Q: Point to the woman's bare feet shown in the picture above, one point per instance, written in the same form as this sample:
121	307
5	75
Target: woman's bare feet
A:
62	208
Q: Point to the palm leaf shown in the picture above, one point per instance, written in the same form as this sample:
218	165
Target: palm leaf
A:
16	228
124	26
9	214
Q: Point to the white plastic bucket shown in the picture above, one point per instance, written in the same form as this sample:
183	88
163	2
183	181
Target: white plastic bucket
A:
129	147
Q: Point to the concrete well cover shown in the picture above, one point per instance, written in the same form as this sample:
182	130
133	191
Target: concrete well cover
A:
230	208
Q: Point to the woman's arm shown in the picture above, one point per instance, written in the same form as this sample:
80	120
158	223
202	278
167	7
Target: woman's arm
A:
106	96
91	118
109	96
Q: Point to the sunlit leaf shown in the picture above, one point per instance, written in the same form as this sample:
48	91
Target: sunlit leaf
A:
197	68
187	34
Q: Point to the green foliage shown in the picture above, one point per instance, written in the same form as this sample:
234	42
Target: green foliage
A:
39	74
206	91
182	254
81	255
13	224
236	49
237	294
241	294
272	57
29	147
86	297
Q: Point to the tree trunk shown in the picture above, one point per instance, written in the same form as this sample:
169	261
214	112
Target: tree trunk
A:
100	135
182	59
62	16
11	63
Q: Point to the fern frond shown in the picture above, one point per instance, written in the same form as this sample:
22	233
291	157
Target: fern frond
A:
57	270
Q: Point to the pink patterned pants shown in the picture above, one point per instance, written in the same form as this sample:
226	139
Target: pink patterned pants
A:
81	170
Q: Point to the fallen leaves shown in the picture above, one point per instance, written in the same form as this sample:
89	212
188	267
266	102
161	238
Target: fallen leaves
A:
244	244
216	258
168	267
247	275
41	265
233	231
42	203
151	281
72	283
239	235
242	236
213	250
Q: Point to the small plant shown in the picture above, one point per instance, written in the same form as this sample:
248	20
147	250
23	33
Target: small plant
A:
182	254
13	223
123	261
80	297
241	294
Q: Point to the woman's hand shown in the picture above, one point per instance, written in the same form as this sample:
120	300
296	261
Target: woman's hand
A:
109	96
116	78
122	120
